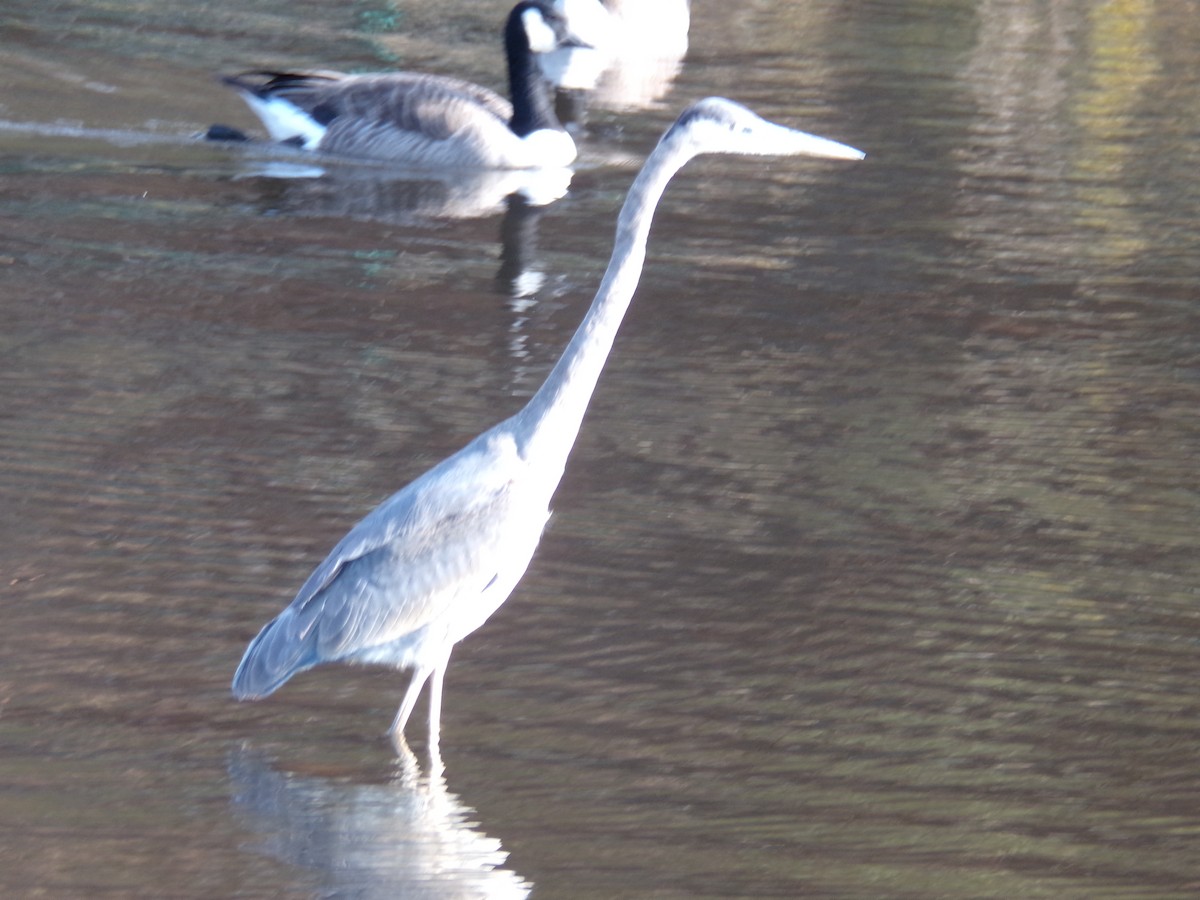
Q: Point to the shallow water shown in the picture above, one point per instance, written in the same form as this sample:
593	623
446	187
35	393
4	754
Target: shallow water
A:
874	572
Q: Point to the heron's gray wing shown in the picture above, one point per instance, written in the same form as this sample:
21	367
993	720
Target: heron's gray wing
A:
413	557
440	538
436	543
385	590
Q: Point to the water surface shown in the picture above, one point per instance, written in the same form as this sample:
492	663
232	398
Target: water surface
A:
874	572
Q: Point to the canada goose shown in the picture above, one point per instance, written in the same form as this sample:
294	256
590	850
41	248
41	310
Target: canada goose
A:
430	564
420	119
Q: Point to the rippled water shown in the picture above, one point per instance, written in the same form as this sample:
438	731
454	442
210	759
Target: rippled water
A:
875	569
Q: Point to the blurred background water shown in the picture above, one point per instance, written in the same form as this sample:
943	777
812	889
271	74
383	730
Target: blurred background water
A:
875	570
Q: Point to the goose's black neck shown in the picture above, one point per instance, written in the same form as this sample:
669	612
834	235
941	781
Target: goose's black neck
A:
532	109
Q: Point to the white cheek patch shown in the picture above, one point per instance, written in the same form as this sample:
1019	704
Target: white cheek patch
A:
286	121
540	35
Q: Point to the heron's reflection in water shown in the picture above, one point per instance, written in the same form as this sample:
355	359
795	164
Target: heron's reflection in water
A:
406	836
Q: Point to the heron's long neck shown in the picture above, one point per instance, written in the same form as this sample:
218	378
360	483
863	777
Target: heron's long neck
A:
546	428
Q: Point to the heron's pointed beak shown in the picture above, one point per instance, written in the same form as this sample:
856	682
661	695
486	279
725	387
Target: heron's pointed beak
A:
801	143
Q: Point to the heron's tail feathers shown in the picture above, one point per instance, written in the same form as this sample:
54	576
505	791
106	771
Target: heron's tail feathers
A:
283	648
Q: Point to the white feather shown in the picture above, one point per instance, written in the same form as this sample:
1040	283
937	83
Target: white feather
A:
285	121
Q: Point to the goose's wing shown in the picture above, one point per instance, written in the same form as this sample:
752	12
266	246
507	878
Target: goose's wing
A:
418	119
433	106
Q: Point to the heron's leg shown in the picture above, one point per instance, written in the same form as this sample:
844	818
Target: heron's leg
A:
419	677
435	704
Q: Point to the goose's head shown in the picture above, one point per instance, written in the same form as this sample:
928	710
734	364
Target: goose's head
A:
717	125
540	27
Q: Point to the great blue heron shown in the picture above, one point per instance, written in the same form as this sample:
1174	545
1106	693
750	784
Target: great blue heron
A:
425	120
429	565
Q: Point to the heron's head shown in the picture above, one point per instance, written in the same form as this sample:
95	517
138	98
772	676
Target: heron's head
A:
717	125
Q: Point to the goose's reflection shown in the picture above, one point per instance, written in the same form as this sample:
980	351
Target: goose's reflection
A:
295	185
521	280
405	837
519	277
303	187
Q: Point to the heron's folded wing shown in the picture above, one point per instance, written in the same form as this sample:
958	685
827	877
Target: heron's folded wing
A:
383	592
444	536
